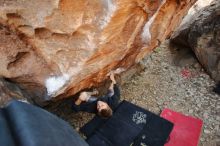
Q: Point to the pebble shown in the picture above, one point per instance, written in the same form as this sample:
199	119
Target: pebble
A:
206	115
207	131
190	111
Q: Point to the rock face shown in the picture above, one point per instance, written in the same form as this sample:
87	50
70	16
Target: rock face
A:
9	91
202	34
55	48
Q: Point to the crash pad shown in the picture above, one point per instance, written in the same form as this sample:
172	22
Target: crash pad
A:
186	130
129	125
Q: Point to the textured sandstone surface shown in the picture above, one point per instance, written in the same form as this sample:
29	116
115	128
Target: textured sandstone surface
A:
202	34
9	91
55	48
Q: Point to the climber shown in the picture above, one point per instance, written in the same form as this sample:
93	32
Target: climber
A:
103	106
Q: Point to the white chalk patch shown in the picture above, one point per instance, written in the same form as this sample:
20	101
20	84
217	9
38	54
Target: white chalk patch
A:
146	35
110	8
54	83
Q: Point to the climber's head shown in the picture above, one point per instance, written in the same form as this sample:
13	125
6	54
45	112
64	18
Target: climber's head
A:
103	109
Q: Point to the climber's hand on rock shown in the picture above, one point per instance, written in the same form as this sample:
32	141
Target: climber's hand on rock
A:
112	77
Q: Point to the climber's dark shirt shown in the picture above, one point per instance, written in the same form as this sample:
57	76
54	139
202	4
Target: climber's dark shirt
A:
111	99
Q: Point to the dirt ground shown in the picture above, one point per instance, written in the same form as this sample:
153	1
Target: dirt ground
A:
171	78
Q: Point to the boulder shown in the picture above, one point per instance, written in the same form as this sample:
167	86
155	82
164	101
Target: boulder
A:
55	48
10	91
201	32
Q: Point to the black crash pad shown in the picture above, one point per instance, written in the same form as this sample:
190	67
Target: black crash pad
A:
22	124
129	125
